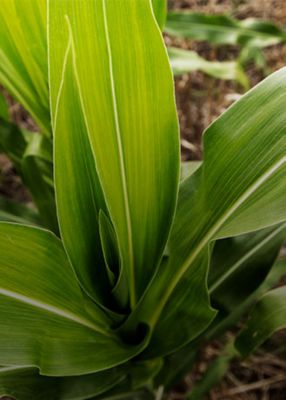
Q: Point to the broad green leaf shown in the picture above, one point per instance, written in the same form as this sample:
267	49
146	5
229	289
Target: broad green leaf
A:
239	265
160	11
222	29
224	322
46	322
130	118
23	56
239	188
183	61
13	211
268	316
178	364
138	379
25	383
78	190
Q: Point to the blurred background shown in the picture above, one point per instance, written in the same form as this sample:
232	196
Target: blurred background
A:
200	96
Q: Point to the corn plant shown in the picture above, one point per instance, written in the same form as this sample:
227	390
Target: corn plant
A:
144	266
27	80
31	155
250	35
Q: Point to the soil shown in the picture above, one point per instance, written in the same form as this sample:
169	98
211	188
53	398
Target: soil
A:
201	99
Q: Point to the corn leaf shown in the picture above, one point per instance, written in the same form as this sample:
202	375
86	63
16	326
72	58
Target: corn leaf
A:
183	61
31	154
23	56
46	321
13	211
113	261
160	11
178	364
77	190
222	29
25	383
225	322
129	116
240	188
239	265
267	317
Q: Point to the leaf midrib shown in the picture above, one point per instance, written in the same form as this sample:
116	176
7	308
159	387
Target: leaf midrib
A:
121	160
246	256
51	309
211	233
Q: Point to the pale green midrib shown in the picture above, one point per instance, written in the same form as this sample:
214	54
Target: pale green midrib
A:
51	309
240	29
121	161
236	265
13	368
61	85
210	234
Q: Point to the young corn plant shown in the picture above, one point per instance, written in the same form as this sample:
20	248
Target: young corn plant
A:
250	35
145	267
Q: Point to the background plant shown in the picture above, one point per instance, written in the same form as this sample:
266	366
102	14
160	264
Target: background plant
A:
250	35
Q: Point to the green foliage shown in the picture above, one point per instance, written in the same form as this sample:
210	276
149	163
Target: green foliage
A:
267	317
183	61
23	56
160	11
144	268
31	154
251	35
222	29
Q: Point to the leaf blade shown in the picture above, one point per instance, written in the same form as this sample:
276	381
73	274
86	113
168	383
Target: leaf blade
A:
253	187
23	66
111	86
44	313
268	316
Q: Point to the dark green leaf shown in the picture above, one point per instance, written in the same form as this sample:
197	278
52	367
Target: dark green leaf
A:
222	29
12	211
46	321
268	316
